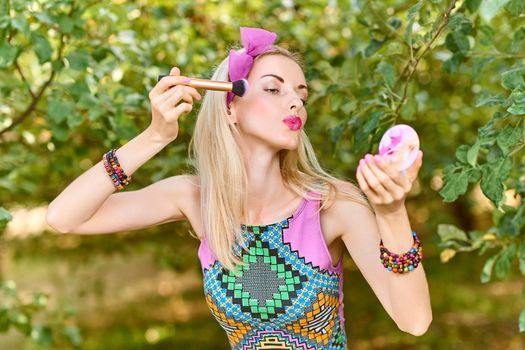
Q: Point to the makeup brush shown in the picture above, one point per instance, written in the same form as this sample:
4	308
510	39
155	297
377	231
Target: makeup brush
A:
238	87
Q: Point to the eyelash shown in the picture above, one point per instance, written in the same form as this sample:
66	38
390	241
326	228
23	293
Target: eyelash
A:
270	90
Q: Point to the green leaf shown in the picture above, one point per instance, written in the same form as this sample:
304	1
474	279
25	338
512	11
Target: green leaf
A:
472	5
4	320
478	64
74	120
448	232
454	187
457	42
387	72
515	7
517	38
494	174
79	60
513	78
5	217
485	98
363	133
58	111
8	54
486	272
451	65
472	154
518	102
474	175
521	257
461	153
508	137
43	48
414	10
73	334
489	8
42	335
65	23
502	266
373	47
4	21
20	22
522	321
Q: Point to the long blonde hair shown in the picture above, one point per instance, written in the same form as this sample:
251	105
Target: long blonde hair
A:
218	162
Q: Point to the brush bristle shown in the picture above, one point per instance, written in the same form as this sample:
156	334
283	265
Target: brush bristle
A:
240	87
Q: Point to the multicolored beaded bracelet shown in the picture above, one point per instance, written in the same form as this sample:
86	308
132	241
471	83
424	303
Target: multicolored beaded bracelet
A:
114	170
402	263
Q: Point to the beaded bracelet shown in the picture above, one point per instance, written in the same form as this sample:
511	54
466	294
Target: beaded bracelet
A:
114	170
405	262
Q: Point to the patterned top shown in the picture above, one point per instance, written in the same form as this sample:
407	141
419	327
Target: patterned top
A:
289	296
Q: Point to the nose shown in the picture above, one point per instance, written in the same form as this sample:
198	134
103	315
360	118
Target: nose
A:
295	103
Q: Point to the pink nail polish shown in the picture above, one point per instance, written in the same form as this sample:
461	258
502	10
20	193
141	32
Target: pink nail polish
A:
377	158
368	157
186	80
361	162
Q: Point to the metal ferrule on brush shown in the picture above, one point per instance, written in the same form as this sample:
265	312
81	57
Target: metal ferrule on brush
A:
211	84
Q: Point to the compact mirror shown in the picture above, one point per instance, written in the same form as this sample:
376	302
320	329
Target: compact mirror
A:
400	141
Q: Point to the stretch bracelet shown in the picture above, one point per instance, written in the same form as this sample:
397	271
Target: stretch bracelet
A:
114	170
402	263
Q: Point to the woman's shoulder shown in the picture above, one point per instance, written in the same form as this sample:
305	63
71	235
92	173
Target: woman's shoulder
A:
345	191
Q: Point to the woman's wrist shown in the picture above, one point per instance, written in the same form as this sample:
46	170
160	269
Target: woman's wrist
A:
156	138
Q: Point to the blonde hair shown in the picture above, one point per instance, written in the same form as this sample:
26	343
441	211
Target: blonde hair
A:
218	162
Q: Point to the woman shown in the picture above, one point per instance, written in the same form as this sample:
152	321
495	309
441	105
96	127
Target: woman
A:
273	224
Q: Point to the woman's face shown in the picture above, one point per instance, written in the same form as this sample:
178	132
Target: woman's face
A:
272	111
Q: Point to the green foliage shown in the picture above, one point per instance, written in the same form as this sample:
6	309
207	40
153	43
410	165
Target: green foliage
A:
75	77
18	313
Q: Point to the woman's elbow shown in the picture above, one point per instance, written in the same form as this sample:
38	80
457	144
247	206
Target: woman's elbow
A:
418	329
52	221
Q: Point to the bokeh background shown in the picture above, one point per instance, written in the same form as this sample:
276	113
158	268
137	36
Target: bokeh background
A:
74	82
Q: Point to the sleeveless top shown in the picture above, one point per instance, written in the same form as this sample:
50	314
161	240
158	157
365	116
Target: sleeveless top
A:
288	296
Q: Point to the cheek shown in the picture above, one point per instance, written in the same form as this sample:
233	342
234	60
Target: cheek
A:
257	109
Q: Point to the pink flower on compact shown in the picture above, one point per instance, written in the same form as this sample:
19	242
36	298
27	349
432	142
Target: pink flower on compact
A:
400	145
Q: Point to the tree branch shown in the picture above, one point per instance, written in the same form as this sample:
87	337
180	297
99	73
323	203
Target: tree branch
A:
413	63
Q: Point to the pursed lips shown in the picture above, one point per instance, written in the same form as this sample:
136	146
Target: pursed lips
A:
293	122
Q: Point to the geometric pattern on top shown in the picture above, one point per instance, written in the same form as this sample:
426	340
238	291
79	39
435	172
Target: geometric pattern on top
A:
263	300
277	300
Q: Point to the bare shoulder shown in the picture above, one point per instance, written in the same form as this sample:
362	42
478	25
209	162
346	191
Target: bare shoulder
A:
343	212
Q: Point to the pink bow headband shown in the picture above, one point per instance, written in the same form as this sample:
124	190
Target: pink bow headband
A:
255	41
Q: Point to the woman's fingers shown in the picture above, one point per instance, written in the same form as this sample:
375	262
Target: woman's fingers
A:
372	196
390	178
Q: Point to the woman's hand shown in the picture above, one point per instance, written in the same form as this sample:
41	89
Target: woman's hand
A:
166	105
385	186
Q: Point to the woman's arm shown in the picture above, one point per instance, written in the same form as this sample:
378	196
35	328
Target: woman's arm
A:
404	296
81	199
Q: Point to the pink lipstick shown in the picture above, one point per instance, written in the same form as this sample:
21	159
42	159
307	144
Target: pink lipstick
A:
294	122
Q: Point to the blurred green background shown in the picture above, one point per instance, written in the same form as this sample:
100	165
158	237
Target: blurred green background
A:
74	82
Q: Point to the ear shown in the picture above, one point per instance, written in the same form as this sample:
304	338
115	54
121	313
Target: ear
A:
232	115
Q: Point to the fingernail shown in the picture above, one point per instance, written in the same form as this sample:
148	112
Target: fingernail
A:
361	162
377	158
186	80
368	157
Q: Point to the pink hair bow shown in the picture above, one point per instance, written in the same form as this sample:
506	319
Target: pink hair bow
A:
255	42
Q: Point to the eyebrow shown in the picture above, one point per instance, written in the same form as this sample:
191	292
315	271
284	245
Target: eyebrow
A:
301	86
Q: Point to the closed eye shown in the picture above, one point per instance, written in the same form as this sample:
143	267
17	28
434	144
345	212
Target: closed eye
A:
274	91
